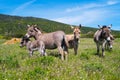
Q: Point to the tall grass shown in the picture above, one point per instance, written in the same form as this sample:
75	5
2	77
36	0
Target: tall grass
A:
15	63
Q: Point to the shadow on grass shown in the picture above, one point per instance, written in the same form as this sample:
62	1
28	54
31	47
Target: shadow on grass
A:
55	54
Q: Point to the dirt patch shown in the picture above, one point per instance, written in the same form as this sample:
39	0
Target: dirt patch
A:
12	41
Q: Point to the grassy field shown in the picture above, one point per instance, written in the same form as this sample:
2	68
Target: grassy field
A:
15	64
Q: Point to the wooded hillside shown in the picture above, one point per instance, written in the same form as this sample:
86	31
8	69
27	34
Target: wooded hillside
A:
15	26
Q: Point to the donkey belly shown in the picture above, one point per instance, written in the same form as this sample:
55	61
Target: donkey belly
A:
50	46
71	44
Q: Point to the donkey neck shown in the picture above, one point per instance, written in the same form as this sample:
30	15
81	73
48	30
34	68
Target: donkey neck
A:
36	37
28	43
76	39
101	37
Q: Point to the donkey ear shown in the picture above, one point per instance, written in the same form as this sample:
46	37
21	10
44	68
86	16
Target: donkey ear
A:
72	27
99	26
80	26
110	26
28	26
35	25
36	29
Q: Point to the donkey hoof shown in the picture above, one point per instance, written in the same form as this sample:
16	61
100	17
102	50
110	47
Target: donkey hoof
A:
103	55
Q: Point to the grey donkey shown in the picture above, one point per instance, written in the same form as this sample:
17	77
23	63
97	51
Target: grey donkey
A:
33	45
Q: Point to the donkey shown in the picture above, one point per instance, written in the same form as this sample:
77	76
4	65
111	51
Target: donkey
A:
101	36
109	44
73	39
33	45
51	40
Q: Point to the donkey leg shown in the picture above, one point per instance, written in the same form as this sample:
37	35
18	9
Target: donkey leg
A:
103	46
44	52
41	52
30	53
106	46
66	53
98	49
103	53
61	52
75	49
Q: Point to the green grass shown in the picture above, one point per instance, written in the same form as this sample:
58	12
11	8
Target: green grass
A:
15	63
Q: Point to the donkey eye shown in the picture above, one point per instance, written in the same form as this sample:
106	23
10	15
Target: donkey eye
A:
31	30
21	42
104	32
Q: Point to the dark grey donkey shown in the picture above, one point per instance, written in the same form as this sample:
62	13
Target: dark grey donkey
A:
101	36
33	45
109	44
51	40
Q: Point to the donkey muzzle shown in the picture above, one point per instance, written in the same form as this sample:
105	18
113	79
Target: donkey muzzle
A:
111	46
108	39
27	35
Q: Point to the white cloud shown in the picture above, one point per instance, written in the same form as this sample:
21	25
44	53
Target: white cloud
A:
87	17
112	2
88	6
73	9
87	14
23	6
92	5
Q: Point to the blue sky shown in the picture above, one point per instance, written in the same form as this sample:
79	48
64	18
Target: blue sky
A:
74	12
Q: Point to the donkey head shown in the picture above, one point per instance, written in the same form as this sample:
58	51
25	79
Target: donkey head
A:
76	31
105	33
110	43
24	41
32	31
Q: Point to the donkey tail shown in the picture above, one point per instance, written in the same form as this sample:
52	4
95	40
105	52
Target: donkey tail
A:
65	43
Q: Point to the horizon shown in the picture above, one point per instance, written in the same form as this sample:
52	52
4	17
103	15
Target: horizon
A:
74	12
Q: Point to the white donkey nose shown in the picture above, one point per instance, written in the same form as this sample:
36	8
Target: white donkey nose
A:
108	39
27	35
110	46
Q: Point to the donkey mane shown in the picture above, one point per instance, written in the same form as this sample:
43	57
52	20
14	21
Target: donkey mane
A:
25	38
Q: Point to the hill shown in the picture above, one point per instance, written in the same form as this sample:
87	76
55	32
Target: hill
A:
15	26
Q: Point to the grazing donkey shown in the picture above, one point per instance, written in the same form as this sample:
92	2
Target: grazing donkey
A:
51	40
33	45
109	44
101	36
73	40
